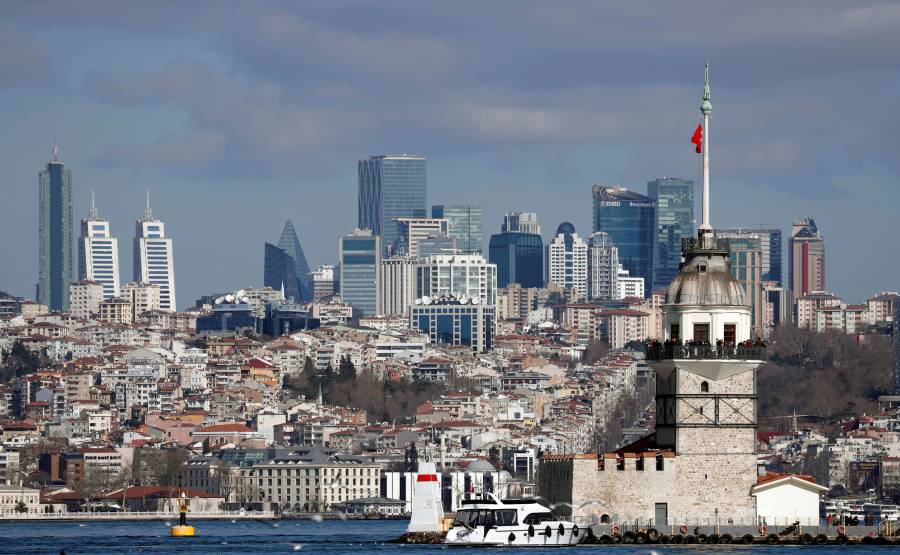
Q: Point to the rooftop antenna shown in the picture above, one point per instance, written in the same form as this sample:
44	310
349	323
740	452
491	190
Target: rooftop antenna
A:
148	213
94	213
55	150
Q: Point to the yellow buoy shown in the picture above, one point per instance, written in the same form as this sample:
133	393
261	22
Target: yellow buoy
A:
182	529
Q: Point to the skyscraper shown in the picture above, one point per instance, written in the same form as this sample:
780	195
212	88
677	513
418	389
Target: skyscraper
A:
412	230
771	244
360	258
519	258
630	220
55	258
461	274
746	257
154	261
603	267
98	253
466	222
276	273
397	285
675	221
567	260
390	187
521	222
807	258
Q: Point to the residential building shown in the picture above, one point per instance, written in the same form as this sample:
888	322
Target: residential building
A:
629	286
391	187
675	221
896	379
630	220
778	306
746	258
808	305
322	279
84	298
461	274
285	266
455	319
807	258
770	241
620	326
519	258
521	222
567	260
397	285
360	263
55	260
603	267
466	223
881	307
154	261
143	297
98	253
842	318
116	310
411	230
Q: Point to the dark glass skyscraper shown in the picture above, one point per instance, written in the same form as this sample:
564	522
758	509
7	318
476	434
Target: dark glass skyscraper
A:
390	187
519	258
286	266
675	220
465	222
630	219
360	257
55	252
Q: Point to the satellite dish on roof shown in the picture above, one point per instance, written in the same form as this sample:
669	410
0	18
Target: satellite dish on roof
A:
426	300
464	300
241	293
229	298
219	300
476	300
418	301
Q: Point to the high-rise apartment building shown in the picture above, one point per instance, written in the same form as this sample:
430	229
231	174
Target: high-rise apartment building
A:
413	230
55	254
807	258
360	258
461	274
84	298
154	261
675	221
143	297
603	267
322	280
521	222
519	258
390	187
466	223
98	253
746	257
629	287
770	241
630	220
567	260
397	285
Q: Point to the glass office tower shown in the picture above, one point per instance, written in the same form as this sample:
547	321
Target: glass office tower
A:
770	241
675	220
390	187
360	258
56	268
519	258
630	220
465	222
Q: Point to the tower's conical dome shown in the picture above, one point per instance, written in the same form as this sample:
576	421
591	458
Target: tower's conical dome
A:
705	277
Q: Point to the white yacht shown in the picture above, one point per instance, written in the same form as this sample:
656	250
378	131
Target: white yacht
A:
518	523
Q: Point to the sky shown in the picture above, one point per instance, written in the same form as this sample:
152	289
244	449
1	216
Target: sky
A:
239	115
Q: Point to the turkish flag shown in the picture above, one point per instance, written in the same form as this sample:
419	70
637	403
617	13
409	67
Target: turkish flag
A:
697	139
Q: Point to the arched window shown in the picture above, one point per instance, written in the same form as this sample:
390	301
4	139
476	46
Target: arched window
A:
704	387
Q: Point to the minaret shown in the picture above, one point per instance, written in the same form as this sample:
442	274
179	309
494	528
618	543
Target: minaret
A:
705	110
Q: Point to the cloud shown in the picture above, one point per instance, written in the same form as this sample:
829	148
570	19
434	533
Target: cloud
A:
24	62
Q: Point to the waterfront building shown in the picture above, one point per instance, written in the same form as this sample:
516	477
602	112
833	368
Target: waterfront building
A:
630	220
98	253
360	262
55	219
390	187
322	279
807	258
567	260
466	223
675	221
521	222
461	274
519	258
143	297
285	265
746	265
770	241
603	267
84	298
397	285
454	319
412	230
153	257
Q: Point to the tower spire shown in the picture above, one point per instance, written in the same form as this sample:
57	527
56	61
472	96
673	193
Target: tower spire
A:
94	213
705	111
55	151
148	213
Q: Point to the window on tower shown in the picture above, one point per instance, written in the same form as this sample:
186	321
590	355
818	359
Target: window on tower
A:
704	387
701	332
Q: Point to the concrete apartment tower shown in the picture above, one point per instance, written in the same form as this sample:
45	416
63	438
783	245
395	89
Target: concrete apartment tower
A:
700	464
98	253
154	261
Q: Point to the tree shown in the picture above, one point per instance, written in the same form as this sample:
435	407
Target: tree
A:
21	507
494	456
411	457
346	371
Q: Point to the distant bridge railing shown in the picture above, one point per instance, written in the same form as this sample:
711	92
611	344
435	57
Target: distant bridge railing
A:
662	351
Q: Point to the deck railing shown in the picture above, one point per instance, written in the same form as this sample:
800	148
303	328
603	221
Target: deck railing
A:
662	351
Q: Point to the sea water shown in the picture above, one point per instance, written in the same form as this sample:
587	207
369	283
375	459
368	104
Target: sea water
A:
334	537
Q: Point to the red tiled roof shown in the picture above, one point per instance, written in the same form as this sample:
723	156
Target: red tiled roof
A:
224	428
774	476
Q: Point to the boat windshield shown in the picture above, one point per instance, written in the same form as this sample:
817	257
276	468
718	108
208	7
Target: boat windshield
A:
486	517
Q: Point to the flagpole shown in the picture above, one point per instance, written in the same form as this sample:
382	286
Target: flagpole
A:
706	110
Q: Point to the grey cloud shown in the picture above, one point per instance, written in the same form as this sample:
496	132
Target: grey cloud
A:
24	62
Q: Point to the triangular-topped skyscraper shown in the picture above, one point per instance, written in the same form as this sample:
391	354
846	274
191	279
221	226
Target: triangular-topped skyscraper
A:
286	266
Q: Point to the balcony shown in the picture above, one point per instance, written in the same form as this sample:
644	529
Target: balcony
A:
661	351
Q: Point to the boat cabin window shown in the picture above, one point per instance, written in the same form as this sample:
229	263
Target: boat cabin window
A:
486	517
537	518
506	517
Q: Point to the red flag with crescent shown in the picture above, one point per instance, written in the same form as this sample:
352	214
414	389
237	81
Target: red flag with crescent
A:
697	139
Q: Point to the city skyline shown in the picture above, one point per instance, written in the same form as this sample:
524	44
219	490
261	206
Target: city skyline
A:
125	125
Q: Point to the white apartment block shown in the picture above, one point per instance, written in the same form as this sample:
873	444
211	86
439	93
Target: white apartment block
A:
629	286
808	305
98	254
397	286
567	260
84	299
144	297
463	274
153	258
